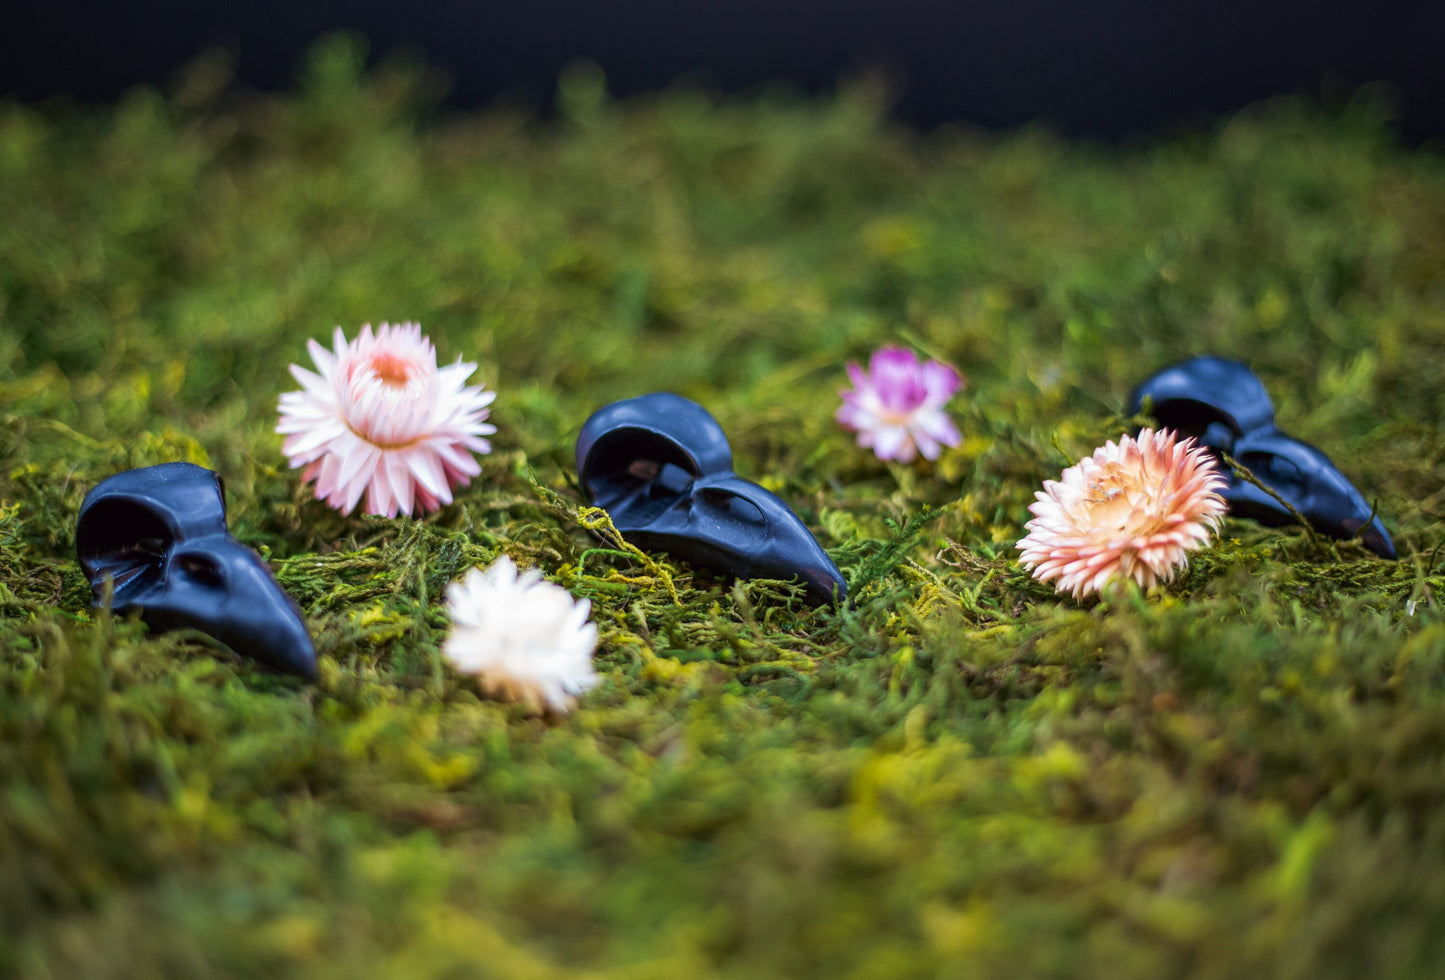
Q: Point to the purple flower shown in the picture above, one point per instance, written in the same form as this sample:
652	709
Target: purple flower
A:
896	406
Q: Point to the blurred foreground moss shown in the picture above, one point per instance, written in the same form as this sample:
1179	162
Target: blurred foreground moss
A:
963	775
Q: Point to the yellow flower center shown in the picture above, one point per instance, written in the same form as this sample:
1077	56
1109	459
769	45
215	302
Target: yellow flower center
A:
1120	501
392	370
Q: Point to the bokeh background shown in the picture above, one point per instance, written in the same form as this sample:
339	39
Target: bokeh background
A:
1112	68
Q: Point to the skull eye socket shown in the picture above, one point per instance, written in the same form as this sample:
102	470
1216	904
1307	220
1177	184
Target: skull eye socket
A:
733	508
1192	418
663	480
1278	471
125	540
640	473
201	571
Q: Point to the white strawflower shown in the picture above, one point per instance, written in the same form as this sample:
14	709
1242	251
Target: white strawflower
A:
523	637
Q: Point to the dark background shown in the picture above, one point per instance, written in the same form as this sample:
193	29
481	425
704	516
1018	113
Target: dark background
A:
1106	68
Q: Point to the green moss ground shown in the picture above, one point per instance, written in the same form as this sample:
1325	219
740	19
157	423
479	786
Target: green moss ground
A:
964	776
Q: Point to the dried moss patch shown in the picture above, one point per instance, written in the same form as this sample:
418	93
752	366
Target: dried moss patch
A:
962	774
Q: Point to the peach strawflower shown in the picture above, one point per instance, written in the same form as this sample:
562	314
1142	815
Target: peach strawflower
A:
1131	510
524	638
896	406
382	419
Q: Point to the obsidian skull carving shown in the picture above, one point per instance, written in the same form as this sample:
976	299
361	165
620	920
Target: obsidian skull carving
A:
662	468
1223	404
159	534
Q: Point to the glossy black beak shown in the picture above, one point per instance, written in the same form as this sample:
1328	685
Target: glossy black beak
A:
1313	485
222	588
757	535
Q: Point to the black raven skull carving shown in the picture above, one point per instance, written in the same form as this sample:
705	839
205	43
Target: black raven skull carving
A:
160	535
1225	406
662	468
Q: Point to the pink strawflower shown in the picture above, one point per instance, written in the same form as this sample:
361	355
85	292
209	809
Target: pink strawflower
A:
896	406
1132	510
382	419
